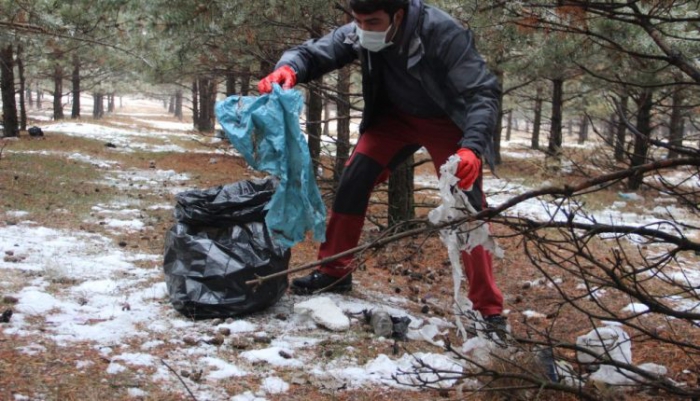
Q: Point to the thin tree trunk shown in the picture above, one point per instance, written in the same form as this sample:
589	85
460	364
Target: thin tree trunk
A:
499	121
7	86
583	131
675	137
39	96
537	124
555	136
178	104
230	84
401	204
195	105
171	105
314	114
75	79
510	125
207	97
58	93
342	151
641	141
621	130
110	103
28	95
245	81
22	85
98	109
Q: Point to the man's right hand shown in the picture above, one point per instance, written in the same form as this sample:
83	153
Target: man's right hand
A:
284	76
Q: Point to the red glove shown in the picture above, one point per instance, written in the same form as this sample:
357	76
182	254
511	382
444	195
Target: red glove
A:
468	169
284	76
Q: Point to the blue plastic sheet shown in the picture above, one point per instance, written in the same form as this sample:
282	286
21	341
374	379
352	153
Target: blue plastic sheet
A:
265	130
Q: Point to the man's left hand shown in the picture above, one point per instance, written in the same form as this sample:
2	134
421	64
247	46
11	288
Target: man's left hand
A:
468	169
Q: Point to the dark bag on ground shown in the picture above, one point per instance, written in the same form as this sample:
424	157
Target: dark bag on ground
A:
219	242
35	131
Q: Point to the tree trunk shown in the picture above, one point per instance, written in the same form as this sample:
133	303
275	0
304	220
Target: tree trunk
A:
7	86
207	97
98	109
583	131
171	105
326	118
499	122
621	130
22	86
641	141
110	102
39	96
401	205
510	125
245	81
75	80
537	124
342	105
555	136
178	104
28	95
230	84
314	114
58	93
195	105
675	137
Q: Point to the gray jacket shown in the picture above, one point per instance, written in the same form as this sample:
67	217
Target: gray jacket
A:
441	54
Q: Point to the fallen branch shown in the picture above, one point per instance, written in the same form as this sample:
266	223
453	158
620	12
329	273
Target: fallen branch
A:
490	213
179	378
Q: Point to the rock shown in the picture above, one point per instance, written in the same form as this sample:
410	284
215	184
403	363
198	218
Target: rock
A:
224	331
324	312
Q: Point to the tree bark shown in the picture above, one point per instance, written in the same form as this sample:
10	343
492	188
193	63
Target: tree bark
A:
401	204
230	84
537	124
39	96
675	137
207	97
314	114
195	105
7	86
499	121
110	102
28	95
342	151
75	80
641	140
510	125
621	130
98	109
555	136
22	85
178	104
245	81
58	93
583	131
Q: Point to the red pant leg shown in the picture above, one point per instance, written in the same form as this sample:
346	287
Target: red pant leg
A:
483	292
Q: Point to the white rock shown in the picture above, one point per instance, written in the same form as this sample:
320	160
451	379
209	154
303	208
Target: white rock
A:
324	312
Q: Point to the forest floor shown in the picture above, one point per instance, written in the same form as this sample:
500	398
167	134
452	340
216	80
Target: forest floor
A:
82	225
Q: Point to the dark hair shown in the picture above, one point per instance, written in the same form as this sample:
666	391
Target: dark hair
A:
370	6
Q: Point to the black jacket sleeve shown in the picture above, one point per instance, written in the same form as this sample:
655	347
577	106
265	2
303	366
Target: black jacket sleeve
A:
317	57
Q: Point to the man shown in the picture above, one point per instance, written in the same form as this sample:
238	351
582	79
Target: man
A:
424	85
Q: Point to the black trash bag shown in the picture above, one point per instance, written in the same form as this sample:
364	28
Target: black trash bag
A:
35	131
219	242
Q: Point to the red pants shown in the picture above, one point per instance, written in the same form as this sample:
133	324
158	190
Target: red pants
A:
380	149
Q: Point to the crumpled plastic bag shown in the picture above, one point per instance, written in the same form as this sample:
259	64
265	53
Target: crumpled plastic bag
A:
464	237
265	130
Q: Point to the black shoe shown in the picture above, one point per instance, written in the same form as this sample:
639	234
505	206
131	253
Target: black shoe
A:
496	327
320	282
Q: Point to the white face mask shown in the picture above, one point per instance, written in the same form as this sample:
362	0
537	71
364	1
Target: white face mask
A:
373	41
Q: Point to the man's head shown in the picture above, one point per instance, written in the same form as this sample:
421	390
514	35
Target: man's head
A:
377	21
378	15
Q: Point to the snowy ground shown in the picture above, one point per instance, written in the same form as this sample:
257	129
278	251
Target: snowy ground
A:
114	304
